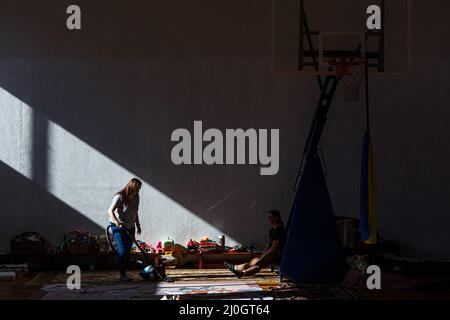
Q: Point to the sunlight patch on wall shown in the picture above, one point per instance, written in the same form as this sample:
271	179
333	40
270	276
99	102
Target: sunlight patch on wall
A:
86	179
16	140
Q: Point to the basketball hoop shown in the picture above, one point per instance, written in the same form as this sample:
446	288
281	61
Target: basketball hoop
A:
351	71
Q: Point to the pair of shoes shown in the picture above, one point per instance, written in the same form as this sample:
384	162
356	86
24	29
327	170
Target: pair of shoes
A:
228	265
238	274
124	278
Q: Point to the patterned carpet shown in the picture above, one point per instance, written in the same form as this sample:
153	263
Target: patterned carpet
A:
187	284
315	292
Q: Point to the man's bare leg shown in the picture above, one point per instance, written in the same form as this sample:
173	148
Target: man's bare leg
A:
251	271
244	266
240	267
257	264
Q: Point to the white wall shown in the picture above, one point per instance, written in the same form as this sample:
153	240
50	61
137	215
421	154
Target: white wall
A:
82	113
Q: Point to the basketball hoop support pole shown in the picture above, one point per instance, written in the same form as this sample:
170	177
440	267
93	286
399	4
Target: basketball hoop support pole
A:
318	124
327	91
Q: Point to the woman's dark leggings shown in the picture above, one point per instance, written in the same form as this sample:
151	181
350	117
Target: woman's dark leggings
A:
124	244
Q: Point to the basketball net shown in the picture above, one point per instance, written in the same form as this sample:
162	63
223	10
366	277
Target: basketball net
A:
351	71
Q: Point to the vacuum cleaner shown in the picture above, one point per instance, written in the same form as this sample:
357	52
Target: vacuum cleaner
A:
150	272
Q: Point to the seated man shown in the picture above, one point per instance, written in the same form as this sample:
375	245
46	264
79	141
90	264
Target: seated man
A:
272	253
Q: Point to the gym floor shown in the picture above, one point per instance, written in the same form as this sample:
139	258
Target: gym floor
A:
33	285
208	283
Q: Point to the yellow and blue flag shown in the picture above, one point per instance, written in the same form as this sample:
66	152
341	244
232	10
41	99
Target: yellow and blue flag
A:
368	195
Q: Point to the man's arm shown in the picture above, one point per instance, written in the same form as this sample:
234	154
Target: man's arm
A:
267	246
272	248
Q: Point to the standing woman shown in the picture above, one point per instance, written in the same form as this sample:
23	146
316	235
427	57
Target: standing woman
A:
123	214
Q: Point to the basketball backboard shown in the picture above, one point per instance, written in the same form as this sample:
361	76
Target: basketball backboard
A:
308	33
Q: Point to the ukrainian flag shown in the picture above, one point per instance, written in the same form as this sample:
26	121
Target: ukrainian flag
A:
368	201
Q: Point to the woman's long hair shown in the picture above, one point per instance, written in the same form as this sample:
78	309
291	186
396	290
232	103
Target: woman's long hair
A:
277	215
131	187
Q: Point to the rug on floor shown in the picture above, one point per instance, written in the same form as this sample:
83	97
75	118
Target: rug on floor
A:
153	291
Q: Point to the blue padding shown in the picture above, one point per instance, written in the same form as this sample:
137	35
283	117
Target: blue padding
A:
312	251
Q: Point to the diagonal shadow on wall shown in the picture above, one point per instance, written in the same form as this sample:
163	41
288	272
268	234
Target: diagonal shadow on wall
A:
124	112
25	206
124	99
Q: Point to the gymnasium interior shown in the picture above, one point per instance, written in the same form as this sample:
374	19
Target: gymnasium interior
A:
347	103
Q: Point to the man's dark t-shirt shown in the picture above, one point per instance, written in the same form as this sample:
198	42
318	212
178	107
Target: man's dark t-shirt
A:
277	233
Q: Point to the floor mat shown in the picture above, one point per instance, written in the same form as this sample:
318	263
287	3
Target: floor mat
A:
315	292
265	277
154	291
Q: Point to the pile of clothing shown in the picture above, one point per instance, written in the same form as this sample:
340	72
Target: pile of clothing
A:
28	243
83	242
245	248
208	245
144	246
28	236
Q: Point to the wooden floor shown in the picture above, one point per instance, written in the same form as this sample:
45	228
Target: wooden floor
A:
29	286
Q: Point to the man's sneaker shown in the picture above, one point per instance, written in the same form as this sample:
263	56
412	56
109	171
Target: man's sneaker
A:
238	274
228	265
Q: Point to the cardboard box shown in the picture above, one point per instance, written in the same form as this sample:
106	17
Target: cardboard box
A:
79	247
25	247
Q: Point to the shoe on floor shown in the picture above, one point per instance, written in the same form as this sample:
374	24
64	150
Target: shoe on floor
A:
228	265
238	274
